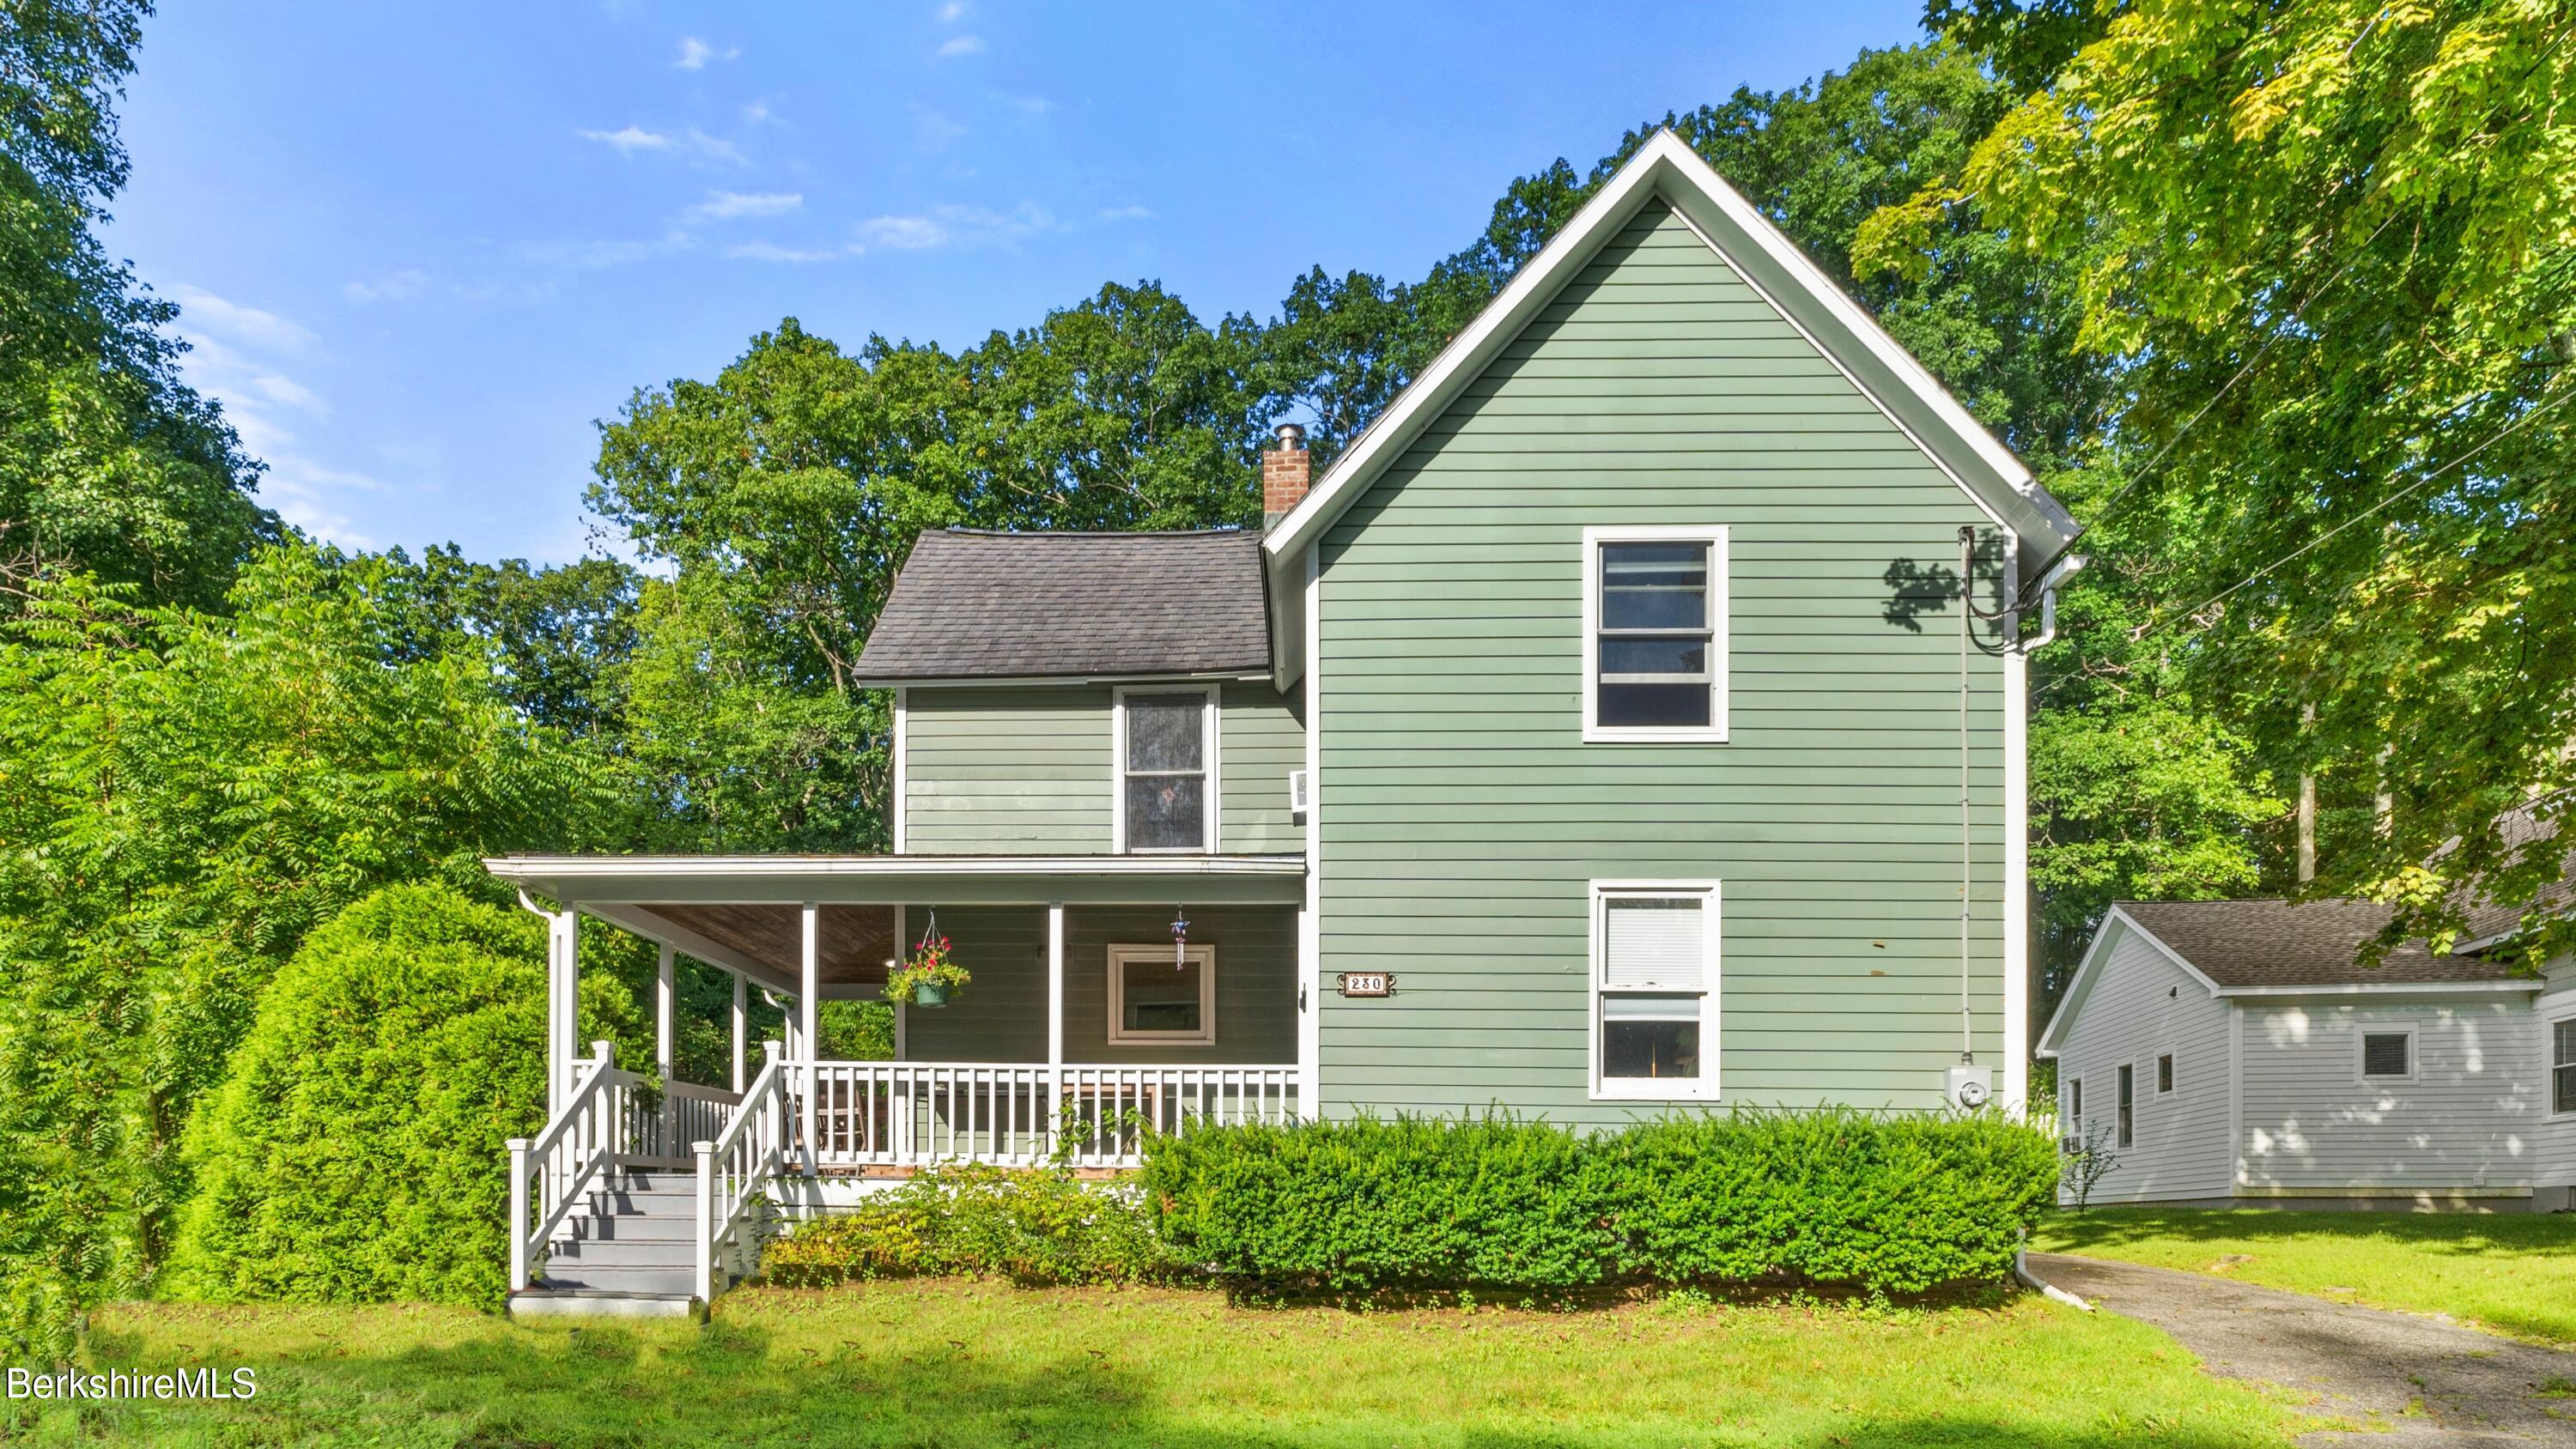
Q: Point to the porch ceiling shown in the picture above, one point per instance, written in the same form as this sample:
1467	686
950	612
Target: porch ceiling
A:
851	943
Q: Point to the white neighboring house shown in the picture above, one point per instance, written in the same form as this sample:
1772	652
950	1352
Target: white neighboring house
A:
2235	1054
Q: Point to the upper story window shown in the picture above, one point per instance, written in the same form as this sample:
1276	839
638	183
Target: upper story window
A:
1166	747
1654	619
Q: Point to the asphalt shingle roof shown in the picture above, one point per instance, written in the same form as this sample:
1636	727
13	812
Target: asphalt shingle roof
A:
972	604
2282	943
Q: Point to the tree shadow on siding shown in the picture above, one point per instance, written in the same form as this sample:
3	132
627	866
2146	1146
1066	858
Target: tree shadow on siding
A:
1916	588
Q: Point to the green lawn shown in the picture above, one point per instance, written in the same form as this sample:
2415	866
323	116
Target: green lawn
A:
968	1363
2512	1273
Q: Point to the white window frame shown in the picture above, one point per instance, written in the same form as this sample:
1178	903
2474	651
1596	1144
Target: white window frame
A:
1719	619
2549	1059
2163	1056
2361	1035
1119	956
1208	724
2072	1107
1655	1089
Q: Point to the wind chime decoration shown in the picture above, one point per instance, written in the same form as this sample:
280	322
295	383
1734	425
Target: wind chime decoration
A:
1180	940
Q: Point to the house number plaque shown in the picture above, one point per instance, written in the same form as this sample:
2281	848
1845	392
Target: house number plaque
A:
1367	983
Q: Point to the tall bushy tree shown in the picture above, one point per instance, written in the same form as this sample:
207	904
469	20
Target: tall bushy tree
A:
107	462
183	796
2336	242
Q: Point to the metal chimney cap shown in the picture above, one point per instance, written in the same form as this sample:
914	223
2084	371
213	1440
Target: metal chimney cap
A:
1291	435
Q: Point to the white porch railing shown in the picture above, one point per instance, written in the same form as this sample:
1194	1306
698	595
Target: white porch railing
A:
909	1114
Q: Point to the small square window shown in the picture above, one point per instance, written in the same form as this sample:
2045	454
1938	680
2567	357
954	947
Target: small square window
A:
2164	1074
2387	1054
1159	996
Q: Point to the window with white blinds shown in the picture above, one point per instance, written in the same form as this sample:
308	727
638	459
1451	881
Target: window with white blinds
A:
1654	977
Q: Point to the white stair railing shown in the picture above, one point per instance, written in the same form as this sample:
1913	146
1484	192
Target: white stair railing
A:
735	1166
602	1119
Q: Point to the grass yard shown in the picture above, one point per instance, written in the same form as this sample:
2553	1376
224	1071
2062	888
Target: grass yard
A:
2512	1273
935	1363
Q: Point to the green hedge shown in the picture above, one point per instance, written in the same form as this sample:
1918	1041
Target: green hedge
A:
354	1153
1897	1204
1029	1225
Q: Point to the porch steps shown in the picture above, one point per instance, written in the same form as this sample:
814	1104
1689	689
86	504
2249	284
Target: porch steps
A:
628	1255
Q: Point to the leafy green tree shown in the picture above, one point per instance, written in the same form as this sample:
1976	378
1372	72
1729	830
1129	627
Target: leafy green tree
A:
107	462
560	634
183	797
351	1153
2335	245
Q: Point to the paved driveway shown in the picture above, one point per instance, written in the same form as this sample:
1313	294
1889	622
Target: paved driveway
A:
2432	1384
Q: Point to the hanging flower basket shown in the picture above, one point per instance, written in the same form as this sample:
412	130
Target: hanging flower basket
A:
927	976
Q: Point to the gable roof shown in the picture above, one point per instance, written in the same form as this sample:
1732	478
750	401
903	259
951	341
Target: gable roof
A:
2275	943
1772	265
976	604
2272	947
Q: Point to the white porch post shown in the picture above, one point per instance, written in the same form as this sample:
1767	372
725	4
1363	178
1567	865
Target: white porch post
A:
556	1048
809	1036
1055	1019
740	1023
665	984
902	921
566	933
1310	1011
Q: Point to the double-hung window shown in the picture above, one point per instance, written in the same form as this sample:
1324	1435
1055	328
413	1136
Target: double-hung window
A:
1654	612
1166	747
2562	1066
2128	1120
1654	988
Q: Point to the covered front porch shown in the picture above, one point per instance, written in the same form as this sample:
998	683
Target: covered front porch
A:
1086	1022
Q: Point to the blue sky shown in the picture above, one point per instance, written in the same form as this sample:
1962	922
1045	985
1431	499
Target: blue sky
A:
422	249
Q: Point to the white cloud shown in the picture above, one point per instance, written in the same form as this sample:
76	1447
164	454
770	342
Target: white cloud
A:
1124	213
727	205
770	252
629	140
943	226
938	129
693	142
755	112
962	45
285	391
952	12
695	53
249	326
399	286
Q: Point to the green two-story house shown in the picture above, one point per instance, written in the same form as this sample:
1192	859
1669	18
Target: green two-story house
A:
1631	719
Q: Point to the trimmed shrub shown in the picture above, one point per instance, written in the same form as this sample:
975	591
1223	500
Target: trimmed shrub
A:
355	1151
1894	1204
1034	1226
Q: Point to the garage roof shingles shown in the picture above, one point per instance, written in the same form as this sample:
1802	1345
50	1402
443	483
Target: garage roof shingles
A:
2284	943
971	604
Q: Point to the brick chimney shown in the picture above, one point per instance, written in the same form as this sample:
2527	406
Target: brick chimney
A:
1285	474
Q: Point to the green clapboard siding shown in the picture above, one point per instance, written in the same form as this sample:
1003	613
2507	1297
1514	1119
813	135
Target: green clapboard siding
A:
1001	1016
1462	815
1025	770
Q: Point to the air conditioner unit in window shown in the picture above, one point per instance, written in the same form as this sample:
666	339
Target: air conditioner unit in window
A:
1296	792
2070	1146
